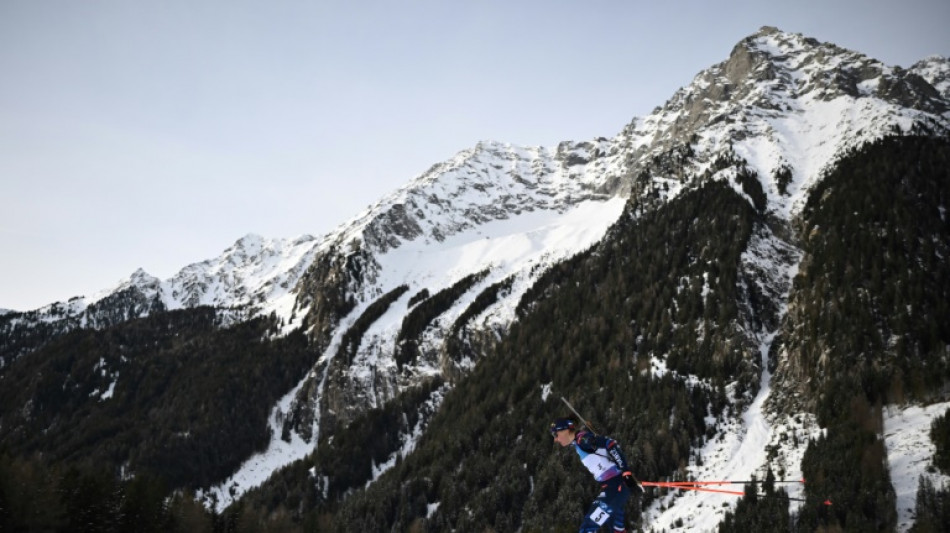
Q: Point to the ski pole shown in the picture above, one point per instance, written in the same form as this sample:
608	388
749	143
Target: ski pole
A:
730	482
699	486
689	487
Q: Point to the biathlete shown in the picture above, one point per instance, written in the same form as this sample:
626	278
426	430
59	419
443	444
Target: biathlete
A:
605	460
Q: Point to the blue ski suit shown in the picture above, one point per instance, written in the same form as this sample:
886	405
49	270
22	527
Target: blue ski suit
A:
603	457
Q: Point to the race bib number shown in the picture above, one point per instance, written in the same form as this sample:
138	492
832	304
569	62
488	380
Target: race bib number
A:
599	516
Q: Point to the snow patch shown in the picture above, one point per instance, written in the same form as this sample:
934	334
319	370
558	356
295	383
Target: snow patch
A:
108	393
910	454
430	406
260	466
545	392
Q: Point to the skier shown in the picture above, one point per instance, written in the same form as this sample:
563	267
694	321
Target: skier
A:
603	457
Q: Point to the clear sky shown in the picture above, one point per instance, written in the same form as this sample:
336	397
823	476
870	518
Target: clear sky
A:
155	134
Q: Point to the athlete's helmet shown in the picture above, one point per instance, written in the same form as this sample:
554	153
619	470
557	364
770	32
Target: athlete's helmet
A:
561	423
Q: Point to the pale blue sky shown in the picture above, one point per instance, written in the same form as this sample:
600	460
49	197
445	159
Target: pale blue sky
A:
155	134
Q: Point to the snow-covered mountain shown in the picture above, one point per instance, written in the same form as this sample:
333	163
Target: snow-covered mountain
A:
782	102
254	273
784	105
486	223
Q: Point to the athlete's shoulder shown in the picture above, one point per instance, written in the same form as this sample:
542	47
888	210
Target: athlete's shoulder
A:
586	441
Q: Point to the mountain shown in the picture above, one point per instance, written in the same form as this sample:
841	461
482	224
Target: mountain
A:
935	71
717	282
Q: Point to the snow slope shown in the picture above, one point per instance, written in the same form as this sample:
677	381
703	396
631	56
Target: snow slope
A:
910	454
739	451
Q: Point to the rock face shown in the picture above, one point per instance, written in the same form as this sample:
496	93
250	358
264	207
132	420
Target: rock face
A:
935	70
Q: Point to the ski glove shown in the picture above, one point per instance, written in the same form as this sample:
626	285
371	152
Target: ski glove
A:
631	482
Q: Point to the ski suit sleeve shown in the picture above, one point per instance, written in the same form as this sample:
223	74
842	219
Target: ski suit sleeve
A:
616	454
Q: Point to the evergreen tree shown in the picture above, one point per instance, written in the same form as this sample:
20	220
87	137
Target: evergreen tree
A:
940	436
932	513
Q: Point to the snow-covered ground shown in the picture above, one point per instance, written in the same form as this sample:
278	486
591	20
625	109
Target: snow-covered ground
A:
524	245
739	451
910	454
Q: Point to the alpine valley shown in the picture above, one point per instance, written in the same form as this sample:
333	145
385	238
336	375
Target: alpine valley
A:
748	285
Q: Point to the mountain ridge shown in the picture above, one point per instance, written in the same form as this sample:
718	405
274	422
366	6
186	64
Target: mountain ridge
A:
197	283
934	69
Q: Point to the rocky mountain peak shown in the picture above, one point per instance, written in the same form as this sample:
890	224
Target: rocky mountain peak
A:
249	245
141	278
491	181
785	105
936	70
826	71
771	69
